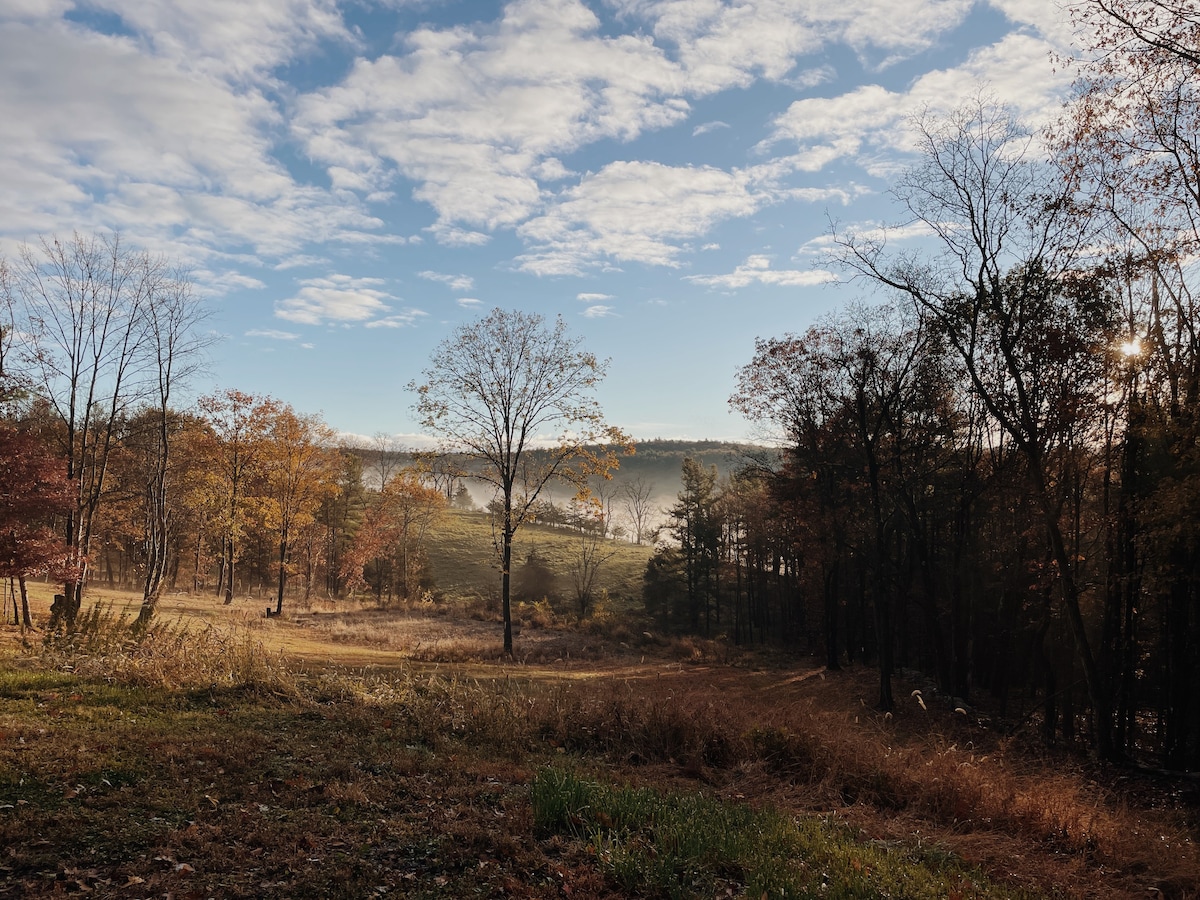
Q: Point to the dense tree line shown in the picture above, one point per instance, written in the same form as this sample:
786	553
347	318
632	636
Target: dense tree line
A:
105	480
990	474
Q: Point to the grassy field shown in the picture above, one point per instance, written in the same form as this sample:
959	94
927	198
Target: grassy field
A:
353	752
465	563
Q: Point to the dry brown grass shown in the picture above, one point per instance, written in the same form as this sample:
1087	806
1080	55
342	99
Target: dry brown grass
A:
918	775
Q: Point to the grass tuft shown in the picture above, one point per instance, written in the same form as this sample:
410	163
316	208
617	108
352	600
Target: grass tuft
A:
690	845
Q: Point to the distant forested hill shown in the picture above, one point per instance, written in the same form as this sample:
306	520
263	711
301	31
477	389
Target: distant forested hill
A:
659	462
656	462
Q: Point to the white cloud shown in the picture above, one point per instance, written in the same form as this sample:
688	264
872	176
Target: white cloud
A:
592	298
225	282
454	282
757	270
722	45
34	10
299	260
475	117
337	299
870	124
635	212
551	169
469	303
707	127
234	39
451	236
598	312
810	78
406	318
479	117
869	232
272	334
172	130
900	28
104	132
1048	18
840	195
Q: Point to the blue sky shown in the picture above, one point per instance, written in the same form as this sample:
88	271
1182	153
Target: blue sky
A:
347	182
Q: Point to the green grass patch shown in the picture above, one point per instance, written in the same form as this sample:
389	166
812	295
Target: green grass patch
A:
464	562
692	845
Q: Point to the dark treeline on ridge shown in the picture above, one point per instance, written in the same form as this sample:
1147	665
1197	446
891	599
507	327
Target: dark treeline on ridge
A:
991	476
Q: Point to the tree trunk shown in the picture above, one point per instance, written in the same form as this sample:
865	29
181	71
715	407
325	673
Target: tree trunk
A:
1098	692
506	579
283	545
229	572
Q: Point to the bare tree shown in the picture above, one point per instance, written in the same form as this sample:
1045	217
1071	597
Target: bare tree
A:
444	472
515	397
635	500
388	456
175	346
7	327
84	312
584	567
1003	289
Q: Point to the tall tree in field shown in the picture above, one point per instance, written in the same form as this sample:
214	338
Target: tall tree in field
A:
175	348
85	310
234	449
300	466
515	396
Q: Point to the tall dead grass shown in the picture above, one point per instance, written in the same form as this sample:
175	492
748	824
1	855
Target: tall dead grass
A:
833	756
821	754
169	655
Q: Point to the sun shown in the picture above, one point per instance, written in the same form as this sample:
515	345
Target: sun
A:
1131	348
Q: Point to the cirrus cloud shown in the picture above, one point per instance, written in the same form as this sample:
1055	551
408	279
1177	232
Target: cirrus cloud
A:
757	270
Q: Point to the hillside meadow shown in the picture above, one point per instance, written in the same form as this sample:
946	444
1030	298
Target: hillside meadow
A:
344	750
465	565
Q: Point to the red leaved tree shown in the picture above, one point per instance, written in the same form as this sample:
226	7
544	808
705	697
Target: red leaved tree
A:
33	491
